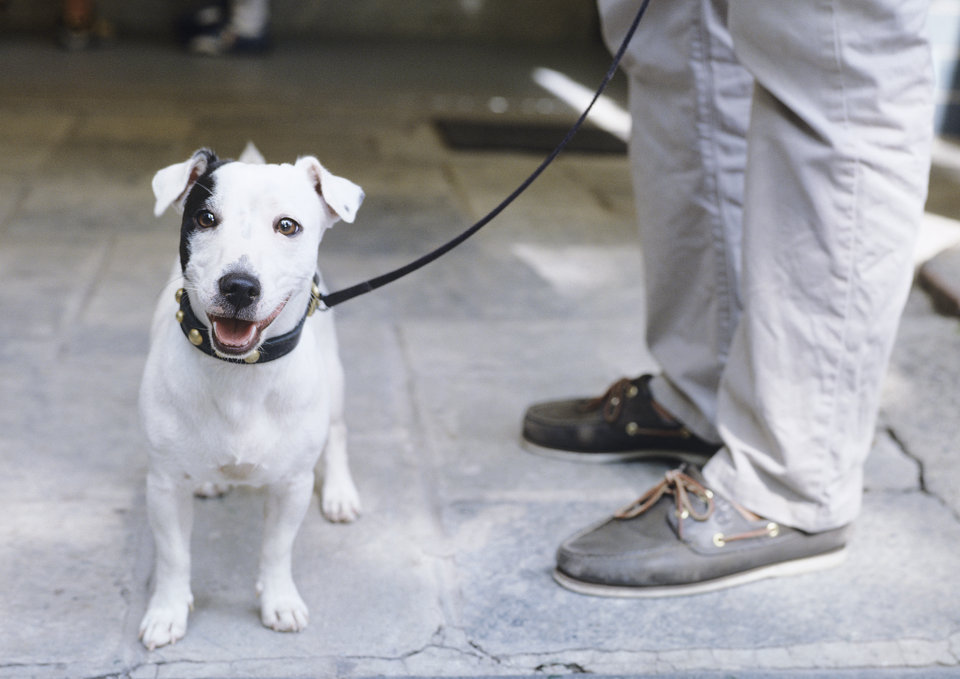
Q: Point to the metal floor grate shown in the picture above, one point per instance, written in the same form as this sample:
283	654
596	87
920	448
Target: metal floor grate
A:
472	135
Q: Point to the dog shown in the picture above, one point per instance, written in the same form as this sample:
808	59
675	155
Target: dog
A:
243	383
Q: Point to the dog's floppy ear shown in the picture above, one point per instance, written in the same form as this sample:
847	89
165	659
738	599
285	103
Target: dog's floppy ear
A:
172	184
341	196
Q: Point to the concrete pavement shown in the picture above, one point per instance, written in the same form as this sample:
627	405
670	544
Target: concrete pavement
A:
448	572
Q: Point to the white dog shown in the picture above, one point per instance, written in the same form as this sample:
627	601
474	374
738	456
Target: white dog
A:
243	384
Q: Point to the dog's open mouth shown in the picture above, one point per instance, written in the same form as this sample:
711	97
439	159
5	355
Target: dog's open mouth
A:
237	336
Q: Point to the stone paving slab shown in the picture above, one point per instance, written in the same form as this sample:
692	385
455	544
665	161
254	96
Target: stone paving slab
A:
448	572
921	400
940	277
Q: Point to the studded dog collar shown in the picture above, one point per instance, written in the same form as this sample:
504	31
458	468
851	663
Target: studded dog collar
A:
276	347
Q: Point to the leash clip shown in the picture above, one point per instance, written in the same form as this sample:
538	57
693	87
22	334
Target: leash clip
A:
316	300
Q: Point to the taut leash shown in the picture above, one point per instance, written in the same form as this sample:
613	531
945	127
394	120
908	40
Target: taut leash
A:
332	299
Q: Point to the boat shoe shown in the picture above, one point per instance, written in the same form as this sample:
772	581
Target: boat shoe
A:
681	538
625	423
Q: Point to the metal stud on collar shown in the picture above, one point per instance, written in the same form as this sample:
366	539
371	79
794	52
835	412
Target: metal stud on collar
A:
178	295
194	336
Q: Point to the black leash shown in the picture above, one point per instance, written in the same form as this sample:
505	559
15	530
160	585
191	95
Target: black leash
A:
332	299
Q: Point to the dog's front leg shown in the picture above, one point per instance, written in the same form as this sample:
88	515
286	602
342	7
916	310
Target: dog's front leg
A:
170	512
339	499
281	607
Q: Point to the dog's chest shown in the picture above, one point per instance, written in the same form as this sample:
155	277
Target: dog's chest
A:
252	436
245	431
255	446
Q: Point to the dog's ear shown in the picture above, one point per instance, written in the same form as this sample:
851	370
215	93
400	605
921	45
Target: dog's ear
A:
251	154
341	196
172	184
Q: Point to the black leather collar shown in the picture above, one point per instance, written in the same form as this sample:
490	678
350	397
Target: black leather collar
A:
276	347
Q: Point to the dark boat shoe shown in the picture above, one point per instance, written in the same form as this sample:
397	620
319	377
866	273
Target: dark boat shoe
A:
623	424
680	538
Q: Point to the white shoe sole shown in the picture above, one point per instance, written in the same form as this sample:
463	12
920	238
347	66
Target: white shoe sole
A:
783	569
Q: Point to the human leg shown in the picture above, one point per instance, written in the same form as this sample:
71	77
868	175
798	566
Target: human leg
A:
838	161
689	101
838	155
227	27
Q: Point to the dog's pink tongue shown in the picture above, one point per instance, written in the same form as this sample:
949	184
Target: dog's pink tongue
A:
232	332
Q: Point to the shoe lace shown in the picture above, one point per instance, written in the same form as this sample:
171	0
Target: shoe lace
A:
682	486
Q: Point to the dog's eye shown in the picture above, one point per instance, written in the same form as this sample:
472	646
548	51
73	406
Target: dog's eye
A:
287	227
205	219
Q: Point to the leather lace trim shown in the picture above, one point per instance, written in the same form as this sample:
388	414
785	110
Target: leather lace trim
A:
683	488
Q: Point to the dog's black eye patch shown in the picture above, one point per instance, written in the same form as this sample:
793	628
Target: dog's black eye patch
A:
196	203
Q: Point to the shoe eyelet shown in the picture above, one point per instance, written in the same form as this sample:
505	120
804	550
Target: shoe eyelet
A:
632	391
773	530
719	540
615	401
684	514
632	428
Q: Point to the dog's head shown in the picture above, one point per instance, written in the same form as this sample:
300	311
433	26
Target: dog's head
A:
249	239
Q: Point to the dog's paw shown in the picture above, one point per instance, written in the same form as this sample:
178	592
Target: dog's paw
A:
212	490
282	609
165	621
340	501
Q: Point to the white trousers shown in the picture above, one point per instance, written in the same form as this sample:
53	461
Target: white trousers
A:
780	155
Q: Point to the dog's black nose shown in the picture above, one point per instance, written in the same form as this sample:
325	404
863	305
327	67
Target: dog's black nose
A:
240	289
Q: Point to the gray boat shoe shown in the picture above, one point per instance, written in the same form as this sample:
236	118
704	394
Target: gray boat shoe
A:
681	538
